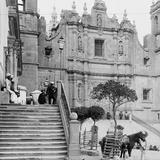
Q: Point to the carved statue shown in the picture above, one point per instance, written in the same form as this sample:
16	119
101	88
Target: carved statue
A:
99	20
120	48
80	43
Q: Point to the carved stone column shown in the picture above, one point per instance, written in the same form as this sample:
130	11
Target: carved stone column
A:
115	38
85	42
15	63
11	60
74	40
74	89
85	89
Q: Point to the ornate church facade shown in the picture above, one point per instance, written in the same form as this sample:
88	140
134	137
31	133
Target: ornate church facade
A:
96	48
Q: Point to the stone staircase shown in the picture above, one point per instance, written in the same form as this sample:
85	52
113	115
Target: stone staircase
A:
146	125
31	133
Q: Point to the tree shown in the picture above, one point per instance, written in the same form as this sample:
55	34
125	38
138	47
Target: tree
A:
82	113
117	94
96	113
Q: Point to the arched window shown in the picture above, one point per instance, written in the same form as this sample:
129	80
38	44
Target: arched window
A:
120	48
79	43
156	20
156	23
79	91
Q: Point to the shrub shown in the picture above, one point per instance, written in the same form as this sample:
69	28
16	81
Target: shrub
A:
96	113
82	113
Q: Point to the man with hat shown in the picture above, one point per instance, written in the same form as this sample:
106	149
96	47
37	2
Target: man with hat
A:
52	93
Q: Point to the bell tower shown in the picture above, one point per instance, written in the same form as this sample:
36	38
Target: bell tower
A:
28	18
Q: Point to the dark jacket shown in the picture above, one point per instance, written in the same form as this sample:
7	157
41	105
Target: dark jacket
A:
42	98
51	91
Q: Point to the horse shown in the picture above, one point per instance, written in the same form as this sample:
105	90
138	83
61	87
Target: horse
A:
129	141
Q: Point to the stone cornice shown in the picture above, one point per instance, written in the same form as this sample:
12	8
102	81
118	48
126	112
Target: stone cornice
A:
98	61
30	63
103	28
99	74
29	32
31	13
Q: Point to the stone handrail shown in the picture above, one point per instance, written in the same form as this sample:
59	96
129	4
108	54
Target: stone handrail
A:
64	109
146	125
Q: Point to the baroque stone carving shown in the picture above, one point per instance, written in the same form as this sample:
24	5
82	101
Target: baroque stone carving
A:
99	20
99	5
80	46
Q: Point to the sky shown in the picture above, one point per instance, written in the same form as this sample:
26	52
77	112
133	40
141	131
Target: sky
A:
137	10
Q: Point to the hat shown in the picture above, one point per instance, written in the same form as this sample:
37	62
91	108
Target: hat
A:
11	75
8	75
52	82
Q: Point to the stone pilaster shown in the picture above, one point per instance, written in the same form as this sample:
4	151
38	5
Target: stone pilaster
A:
74	89
74	146
85	89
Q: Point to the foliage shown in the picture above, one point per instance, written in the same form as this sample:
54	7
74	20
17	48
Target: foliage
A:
96	113
116	92
82	113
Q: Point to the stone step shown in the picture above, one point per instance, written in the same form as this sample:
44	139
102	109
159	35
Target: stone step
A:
32	153
33	143
31	128
29	123
20	130
26	136
34	124
29	106
29	109
29	113
29	149
60	146
21	117
35	157
30	120
38	139
15	135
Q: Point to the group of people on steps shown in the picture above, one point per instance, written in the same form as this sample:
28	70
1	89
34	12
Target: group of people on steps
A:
49	94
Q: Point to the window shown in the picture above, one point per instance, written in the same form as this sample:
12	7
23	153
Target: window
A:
156	20
99	47
146	94
120	47
79	91
21	5
13	27
48	51
146	61
11	2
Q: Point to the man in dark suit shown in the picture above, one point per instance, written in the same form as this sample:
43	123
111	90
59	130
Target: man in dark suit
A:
52	93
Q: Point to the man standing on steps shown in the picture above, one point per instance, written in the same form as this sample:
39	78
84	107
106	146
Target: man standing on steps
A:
52	93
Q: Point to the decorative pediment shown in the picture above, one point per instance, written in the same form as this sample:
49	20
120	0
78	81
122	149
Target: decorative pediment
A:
69	16
100	5
126	24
